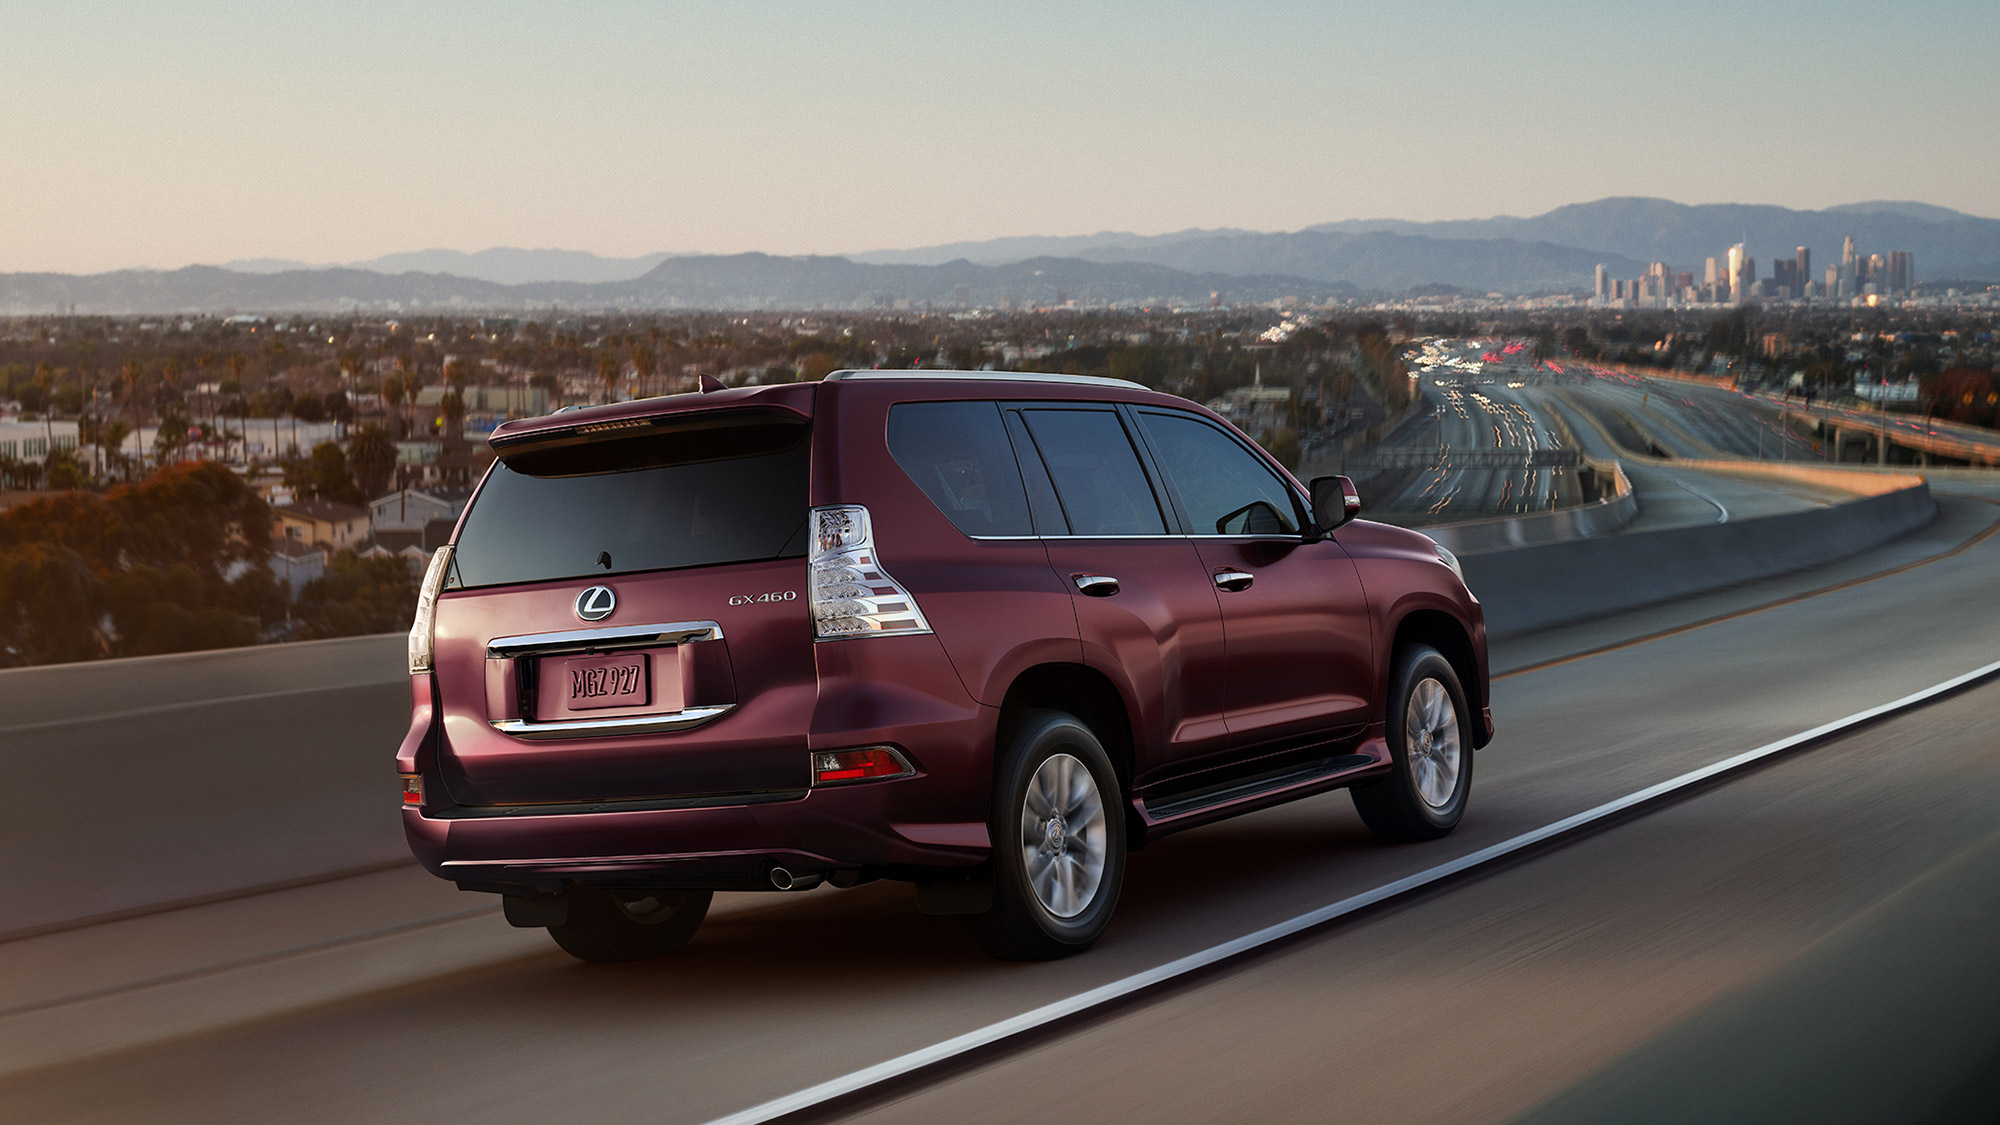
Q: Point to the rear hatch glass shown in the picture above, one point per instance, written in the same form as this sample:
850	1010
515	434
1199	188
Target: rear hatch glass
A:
699	490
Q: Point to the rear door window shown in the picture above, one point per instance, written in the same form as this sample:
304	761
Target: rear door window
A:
1097	476
958	453
697	491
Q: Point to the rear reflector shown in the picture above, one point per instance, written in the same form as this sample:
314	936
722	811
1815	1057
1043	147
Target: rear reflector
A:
871	764
413	789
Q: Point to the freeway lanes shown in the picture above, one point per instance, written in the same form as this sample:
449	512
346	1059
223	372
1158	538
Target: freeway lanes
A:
793	990
1471	417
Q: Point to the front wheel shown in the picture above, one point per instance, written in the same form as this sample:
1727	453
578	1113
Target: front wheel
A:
1423	797
629	925
1058	829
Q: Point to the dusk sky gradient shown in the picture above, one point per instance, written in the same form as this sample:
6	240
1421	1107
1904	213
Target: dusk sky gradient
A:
158	134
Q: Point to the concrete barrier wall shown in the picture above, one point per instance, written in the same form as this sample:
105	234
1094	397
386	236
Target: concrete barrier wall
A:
132	783
1601	517
1558	583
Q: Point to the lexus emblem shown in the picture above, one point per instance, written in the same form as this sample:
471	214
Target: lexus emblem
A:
596	603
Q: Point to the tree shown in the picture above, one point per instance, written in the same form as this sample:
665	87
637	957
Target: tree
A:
372	458
326	474
452	409
174	561
338	407
607	373
645	361
392	395
171	437
111	437
49	600
357	595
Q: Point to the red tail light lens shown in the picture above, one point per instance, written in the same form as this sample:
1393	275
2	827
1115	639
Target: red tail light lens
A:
413	789
871	764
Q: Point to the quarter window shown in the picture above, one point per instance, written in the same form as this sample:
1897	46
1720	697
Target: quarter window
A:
958	453
1223	488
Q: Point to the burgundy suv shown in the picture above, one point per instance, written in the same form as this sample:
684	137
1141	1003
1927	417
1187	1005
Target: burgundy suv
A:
982	632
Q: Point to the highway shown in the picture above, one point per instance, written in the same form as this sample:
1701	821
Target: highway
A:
1465	417
1562	983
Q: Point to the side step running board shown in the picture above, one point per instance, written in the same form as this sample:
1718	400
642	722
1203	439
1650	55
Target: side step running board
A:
1234	791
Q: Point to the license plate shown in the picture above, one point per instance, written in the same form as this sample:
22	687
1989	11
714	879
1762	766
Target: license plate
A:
606	681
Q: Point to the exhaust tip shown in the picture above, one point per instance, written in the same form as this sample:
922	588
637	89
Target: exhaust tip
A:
796	880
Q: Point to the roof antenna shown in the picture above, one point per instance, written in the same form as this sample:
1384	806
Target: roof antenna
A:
710	384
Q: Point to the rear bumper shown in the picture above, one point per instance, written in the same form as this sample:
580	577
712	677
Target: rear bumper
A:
877	827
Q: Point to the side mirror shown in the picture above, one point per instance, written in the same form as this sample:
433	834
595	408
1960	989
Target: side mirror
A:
1334	502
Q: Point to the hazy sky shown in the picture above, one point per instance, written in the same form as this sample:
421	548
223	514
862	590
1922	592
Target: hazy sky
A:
159	133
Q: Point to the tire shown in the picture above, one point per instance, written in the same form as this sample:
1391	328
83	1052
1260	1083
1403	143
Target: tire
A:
1423	797
604	926
1058	828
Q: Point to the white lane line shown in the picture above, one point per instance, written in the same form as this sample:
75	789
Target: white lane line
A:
1685	487
860	1080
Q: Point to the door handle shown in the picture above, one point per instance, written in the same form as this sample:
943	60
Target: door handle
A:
1096	585
1233	580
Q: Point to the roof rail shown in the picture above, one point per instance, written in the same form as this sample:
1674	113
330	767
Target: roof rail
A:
988	376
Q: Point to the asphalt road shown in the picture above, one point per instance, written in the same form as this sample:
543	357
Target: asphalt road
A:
1482	1001
1672	496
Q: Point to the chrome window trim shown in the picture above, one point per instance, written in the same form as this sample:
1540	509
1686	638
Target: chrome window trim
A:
986	377
609	639
1294	538
611	727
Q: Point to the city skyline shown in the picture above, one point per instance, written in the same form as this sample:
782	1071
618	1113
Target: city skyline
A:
161	135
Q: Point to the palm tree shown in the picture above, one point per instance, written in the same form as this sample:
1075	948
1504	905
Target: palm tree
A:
645	361
128	384
238	364
392	396
45	378
607	371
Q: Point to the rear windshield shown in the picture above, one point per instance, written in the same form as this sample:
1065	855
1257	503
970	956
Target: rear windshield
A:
704	492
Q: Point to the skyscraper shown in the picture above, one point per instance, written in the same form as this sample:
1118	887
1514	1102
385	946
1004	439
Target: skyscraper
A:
1804	260
1739	273
1902	271
1603	282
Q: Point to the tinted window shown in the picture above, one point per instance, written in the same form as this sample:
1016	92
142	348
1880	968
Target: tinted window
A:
1097	475
959	455
1042	502
1223	488
703	492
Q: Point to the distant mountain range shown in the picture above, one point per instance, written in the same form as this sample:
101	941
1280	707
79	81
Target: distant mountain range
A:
1559	249
1553	252
502	264
735	281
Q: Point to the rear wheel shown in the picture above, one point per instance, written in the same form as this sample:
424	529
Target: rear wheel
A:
629	925
1058	830
1423	797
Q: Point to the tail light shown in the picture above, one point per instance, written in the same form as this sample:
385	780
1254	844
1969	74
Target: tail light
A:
413	789
852	596
427	596
871	764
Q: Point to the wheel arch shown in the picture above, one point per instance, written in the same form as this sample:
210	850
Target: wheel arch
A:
1445	633
1082	691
